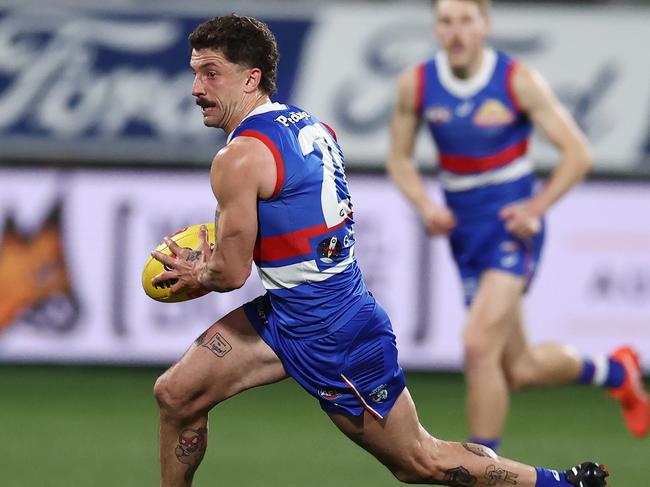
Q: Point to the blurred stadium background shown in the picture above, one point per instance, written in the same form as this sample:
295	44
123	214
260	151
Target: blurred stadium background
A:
102	153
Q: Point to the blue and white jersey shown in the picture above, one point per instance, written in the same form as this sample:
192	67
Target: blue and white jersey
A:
305	246
480	131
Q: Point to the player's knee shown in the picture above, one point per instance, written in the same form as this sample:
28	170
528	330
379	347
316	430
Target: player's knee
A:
478	351
173	402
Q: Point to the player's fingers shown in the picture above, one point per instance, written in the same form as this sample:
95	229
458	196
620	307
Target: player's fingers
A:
164	279
205	241
173	246
176	287
165	259
505	212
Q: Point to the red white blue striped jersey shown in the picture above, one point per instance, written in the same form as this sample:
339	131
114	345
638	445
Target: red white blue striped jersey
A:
305	246
479	129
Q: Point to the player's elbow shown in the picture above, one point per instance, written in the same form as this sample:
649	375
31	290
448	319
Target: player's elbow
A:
582	158
235	279
395	166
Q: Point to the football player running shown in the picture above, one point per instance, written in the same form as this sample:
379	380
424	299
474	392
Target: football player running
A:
283	202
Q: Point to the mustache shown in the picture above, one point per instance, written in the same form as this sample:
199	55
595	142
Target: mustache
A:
205	103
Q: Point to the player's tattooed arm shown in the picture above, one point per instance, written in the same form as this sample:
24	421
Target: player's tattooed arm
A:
191	448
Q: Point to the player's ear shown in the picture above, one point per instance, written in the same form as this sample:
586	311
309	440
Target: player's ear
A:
253	80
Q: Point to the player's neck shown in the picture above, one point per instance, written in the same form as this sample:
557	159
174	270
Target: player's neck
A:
467	71
247	106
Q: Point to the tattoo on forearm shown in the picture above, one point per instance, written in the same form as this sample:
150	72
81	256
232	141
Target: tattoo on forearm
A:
218	345
480	450
191	448
499	476
459	477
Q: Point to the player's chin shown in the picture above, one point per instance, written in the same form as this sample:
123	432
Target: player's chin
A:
210	122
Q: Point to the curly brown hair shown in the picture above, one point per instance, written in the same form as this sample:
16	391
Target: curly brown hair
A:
245	41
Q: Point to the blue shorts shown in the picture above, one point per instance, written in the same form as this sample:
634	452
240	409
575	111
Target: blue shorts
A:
350	370
486	244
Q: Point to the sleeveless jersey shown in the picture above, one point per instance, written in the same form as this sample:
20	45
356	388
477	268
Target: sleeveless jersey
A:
480	131
305	245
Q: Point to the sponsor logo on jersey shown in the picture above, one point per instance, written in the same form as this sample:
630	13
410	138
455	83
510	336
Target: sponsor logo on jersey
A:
329	249
329	394
492	113
294	117
379	394
437	115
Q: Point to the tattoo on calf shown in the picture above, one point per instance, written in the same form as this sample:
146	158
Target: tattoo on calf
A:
190	449
499	476
217	345
459	477
480	450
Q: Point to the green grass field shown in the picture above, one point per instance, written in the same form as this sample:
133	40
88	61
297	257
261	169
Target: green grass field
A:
75	426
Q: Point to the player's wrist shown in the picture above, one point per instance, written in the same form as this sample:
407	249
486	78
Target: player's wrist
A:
205	277
537	208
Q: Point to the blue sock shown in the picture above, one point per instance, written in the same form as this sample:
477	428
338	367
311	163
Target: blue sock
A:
493	443
550	478
616	375
602	371
588	371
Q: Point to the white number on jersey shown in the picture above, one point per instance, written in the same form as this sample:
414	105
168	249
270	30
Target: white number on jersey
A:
315	136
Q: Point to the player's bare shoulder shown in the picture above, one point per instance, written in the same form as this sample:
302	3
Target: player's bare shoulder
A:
245	161
407	87
529	86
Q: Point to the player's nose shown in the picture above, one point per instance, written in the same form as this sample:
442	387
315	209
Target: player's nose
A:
197	87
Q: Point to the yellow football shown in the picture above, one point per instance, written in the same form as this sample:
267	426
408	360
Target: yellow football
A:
188	237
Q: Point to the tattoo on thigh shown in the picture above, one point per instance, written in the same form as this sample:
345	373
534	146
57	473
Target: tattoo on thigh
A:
201	338
459	477
218	345
190	449
480	450
499	476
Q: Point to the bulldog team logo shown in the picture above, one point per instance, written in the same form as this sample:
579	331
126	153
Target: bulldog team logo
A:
379	394
492	113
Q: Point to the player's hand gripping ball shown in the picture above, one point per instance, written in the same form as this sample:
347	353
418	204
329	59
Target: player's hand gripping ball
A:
189	238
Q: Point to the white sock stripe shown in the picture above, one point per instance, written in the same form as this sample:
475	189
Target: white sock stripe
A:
601	364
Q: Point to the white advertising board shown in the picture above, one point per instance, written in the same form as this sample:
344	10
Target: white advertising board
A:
593	288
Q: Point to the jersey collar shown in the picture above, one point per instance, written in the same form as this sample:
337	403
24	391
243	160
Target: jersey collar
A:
263	108
465	88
